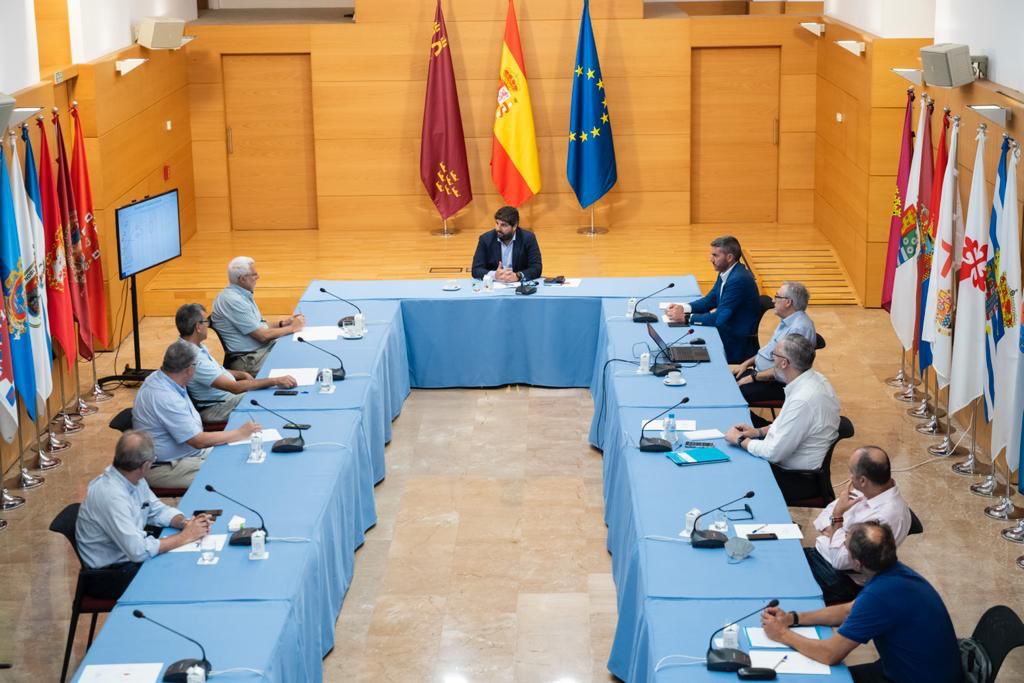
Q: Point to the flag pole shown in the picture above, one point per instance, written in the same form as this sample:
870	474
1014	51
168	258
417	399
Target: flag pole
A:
54	444
84	409
1005	509
27	481
933	412
922	412
591	230
45	461
971	466
946	448
910	394
444	231
69	424
98	394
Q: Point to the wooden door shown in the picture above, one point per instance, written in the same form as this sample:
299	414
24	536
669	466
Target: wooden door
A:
735	158
271	165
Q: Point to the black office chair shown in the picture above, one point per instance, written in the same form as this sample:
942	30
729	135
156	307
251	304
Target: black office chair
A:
767	304
915	525
84	603
229	356
999	631
815	486
819	343
122	422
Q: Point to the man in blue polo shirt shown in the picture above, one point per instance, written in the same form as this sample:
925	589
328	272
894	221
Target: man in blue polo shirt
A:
897	609
164	411
246	336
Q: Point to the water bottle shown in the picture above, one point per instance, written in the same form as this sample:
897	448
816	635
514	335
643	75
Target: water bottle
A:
195	674
668	432
731	636
645	363
631	307
259	548
326	380
256	447
360	324
488	281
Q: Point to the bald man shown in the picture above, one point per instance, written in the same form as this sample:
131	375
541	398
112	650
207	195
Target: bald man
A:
871	495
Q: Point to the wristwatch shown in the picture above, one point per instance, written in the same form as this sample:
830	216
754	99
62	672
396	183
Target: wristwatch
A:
739	441
796	618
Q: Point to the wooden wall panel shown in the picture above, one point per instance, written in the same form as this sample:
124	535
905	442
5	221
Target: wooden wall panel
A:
796	161
206	108
53	37
212	40
390	11
799	48
797	103
211	160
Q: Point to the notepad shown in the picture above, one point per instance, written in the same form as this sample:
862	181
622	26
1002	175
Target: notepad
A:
318	333
658	425
795	663
704	434
121	673
194	546
782	531
269	436
702	456
758	638
304	377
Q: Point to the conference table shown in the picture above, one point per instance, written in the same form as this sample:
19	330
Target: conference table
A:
274	619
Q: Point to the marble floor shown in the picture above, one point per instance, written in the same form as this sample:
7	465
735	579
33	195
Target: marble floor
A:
488	562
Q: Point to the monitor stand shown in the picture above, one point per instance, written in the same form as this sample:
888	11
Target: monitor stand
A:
138	373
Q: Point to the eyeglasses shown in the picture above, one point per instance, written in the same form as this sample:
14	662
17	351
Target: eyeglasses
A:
779	296
206	321
739	514
779	355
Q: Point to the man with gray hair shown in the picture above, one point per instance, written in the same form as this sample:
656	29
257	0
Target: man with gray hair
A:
807	425
164	411
732	306
246	336
756	375
216	390
118	505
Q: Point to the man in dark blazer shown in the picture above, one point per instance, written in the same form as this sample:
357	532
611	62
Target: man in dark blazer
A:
508	252
733	304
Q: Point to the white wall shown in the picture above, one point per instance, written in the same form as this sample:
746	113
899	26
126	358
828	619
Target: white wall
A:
887	18
19	54
99	27
994	28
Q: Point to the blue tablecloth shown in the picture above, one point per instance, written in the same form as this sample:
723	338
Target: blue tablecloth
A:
265	636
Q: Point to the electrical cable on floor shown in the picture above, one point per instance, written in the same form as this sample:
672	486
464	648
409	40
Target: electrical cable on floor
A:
697	660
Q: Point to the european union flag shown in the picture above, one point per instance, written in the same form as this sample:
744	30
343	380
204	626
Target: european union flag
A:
591	167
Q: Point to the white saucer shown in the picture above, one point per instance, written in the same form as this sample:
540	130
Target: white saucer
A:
350	336
452	289
670	383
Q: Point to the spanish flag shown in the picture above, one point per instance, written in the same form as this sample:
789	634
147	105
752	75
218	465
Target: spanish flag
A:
514	165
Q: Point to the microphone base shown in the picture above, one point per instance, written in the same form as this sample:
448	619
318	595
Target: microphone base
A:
727	659
654	445
756	673
347	320
662	369
705	538
338	374
644	317
243	536
526	290
178	671
292	444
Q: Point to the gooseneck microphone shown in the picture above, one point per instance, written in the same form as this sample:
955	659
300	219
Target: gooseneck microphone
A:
656	444
728	658
178	671
347	318
292	444
712	539
525	288
242	536
646	316
339	372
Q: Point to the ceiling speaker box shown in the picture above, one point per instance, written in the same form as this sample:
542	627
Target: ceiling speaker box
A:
161	33
947	65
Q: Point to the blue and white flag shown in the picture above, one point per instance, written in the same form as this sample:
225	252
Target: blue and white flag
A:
591	167
994	325
15	299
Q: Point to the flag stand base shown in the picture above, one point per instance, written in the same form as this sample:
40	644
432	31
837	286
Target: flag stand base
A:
591	231
444	230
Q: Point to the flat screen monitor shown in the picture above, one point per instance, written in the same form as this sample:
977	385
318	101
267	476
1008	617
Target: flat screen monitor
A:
148	233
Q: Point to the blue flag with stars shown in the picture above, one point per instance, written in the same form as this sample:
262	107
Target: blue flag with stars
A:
591	167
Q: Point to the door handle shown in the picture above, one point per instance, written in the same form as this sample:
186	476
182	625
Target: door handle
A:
230	141
775	131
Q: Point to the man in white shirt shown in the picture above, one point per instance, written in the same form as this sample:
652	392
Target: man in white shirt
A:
807	426
872	496
118	505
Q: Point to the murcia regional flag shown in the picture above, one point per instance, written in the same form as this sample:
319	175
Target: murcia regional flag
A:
514	164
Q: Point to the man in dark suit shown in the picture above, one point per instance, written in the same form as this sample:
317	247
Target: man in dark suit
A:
508	252
732	305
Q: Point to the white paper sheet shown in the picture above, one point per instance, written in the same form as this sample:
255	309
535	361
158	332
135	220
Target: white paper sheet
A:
194	546
757	637
121	673
704	435
795	662
269	436
658	425
304	376
318	333
783	531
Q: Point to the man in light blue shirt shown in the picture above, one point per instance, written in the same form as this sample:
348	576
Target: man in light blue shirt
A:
118	505
756	375
246	336
215	390
163	410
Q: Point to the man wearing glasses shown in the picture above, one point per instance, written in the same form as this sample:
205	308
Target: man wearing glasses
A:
164	411
756	375
215	390
807	425
246	336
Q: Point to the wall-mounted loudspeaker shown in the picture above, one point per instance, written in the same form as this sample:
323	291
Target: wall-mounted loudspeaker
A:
947	65
160	33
